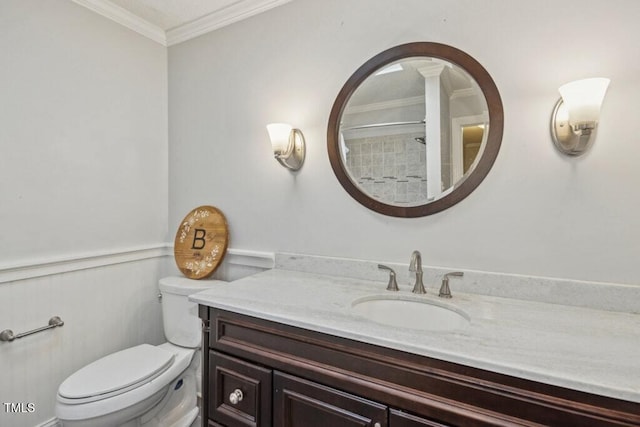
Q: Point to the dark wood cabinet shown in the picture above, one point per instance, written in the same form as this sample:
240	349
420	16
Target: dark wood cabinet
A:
301	403
402	419
239	392
291	377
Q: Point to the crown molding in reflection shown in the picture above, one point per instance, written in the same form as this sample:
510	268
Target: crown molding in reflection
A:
386	105
238	11
464	93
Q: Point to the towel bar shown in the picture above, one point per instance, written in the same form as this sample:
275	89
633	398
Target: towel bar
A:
7	334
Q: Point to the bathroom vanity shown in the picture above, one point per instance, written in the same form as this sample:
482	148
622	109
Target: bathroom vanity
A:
286	348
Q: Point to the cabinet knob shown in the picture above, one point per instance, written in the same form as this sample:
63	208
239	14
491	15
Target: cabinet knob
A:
236	396
376	425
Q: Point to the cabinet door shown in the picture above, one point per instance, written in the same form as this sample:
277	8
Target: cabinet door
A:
402	419
239	392
301	403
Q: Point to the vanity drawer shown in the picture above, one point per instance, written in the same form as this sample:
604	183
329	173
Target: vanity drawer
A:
240	392
298	402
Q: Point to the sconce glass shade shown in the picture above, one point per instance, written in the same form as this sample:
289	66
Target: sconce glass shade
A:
279	134
288	145
583	99
576	114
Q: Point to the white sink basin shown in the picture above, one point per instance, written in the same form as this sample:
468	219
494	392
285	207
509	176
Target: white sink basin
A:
410	313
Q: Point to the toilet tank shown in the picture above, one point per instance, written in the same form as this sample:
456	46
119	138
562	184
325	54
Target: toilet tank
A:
182	326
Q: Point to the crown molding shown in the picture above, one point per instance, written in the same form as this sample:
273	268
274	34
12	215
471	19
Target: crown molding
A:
464	93
125	18
238	11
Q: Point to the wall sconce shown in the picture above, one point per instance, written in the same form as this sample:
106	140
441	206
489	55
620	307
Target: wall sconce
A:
288	145
576	114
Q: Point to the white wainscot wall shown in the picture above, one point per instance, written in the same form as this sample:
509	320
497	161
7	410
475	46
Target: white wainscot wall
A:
105	308
108	302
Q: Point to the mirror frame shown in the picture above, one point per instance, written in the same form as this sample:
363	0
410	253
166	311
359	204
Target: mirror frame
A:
471	181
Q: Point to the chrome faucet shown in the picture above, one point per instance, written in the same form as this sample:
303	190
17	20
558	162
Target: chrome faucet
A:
416	266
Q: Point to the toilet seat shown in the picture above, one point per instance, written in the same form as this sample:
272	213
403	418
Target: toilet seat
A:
122	398
115	374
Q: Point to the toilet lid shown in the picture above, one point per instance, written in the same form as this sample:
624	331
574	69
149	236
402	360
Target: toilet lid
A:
119	371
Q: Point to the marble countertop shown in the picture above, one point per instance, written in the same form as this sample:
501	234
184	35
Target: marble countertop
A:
584	349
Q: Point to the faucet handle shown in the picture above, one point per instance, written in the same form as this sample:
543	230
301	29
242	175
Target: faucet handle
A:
445	291
393	284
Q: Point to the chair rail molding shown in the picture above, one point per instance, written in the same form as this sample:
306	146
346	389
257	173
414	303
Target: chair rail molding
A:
39	267
32	268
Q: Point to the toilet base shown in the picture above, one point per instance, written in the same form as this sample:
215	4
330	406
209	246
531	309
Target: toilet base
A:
115	419
179	407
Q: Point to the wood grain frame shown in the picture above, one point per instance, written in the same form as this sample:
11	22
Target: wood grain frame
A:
494	138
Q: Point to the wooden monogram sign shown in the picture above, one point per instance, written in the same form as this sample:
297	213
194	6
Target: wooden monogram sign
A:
201	242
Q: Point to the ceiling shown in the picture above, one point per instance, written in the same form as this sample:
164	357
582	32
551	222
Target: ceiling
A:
173	21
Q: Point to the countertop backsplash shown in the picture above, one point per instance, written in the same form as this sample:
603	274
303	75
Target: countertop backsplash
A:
597	295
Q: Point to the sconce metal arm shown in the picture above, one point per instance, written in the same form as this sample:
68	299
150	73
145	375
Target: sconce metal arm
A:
573	140
293	157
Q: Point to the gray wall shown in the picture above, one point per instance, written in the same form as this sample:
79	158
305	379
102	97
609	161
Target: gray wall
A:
84	132
86	209
537	213
83	187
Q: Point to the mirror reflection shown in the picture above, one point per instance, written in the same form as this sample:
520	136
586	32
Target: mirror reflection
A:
413	130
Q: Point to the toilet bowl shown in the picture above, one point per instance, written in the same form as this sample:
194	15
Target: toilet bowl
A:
145	385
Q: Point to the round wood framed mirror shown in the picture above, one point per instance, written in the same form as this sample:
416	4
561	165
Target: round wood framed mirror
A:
415	129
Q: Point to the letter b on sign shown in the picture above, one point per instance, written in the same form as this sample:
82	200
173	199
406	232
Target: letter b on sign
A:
198	238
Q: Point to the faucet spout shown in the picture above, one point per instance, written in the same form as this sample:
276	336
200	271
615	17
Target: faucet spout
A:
415	265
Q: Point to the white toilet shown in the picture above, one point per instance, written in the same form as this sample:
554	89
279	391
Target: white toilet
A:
145	385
